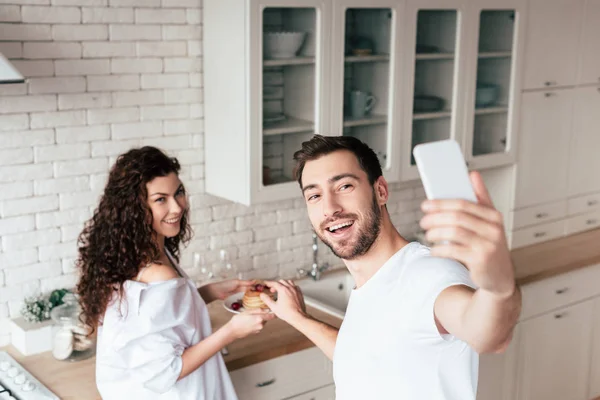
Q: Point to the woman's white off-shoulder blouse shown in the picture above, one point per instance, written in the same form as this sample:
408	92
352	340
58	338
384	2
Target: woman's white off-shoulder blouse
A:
141	341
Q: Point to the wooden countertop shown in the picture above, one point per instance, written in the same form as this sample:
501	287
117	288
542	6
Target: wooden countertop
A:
555	257
75	381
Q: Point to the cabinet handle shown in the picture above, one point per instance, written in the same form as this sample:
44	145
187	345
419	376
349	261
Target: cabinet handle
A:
550	83
549	94
591	221
561	291
539	234
541	215
559	316
265	383
592	202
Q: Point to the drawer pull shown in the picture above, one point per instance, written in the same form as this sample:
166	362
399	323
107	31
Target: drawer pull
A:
591	221
592	202
561	291
539	234
550	83
559	316
541	215
265	383
549	94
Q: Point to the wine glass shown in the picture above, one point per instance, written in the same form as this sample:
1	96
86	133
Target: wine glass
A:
226	269
204	270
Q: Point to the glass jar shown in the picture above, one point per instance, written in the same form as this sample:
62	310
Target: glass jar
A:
71	340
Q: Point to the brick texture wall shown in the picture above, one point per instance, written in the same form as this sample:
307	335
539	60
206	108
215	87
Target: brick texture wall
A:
105	76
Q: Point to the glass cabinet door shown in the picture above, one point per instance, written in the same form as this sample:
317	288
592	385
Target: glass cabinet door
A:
435	77
494	82
289	77
367	77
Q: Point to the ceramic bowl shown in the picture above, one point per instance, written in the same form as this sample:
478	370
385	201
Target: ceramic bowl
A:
278	45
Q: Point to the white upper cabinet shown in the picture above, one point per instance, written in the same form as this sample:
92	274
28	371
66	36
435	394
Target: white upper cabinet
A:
590	44
584	159
365	75
543	150
463	78
391	73
434	31
552	43
266	92
492	88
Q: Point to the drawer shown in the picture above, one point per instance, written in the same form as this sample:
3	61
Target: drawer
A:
582	222
284	376
537	234
578	205
559	291
538	214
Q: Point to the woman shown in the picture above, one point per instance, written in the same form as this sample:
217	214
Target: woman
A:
154	335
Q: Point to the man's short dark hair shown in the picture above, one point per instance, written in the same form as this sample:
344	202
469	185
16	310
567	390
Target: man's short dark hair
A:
320	146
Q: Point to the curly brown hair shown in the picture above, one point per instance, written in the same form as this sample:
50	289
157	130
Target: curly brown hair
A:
119	238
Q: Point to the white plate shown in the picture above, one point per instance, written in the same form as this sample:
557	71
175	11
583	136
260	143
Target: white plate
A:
272	118
232	299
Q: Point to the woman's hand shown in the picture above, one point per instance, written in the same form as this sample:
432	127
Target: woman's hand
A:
222	290
248	322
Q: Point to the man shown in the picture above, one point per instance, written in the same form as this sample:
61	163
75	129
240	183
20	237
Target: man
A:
416	319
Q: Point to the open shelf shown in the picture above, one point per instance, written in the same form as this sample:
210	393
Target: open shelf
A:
290	125
495	54
369	58
491	110
417	116
365	121
434	56
289	61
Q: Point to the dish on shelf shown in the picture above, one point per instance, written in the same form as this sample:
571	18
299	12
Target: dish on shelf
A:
280	45
271	118
424	48
428	104
486	94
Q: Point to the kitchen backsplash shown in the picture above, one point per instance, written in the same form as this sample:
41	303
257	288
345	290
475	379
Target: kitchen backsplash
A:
105	76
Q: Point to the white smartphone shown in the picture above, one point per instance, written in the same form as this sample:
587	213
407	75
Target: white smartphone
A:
444	171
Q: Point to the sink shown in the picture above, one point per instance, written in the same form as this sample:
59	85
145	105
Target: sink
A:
329	294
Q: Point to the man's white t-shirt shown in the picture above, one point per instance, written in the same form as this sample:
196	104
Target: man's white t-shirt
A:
389	346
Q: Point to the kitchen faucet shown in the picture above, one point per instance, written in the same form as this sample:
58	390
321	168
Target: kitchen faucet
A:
315	270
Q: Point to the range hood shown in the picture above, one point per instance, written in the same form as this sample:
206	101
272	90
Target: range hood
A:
8	73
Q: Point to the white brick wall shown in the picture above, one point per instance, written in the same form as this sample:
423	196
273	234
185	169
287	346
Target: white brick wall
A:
105	76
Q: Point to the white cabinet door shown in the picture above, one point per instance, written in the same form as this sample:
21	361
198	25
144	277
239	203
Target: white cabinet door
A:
590	45
324	393
497	373
552	40
283	377
554	355
595	372
584	168
543	147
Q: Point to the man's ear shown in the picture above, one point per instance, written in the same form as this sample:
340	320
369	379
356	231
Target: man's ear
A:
381	189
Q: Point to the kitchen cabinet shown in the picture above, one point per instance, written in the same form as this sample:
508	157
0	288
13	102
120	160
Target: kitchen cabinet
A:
357	71
584	163
325	393
589	55
462	79
497	373
595	368
262	99
542	168
552	43
285	377
554	354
